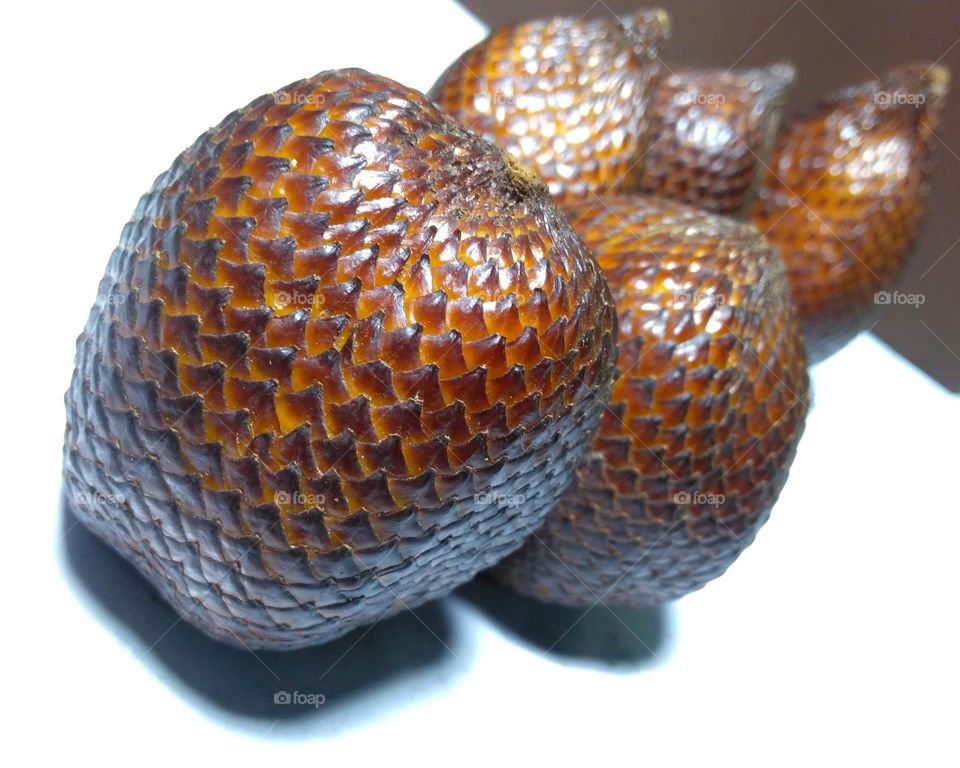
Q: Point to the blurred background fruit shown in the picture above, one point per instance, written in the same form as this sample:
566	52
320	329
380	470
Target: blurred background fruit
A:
712	134
843	199
831	45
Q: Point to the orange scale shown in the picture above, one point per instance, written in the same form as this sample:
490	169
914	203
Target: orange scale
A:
301	191
430	311
400	418
208	304
322	333
256	397
469	455
525	414
231	428
230	349
451	277
288	330
246	281
339	299
446	350
417	491
206	380
324	368
422	384
365	339
426	456
182	333
358	265
448	422
524	349
508	388
502	316
400	348
391	262
388	300
553	337
491	422
386	455
273	363
369	493
468	388
489	352
351	417
302	407
373	380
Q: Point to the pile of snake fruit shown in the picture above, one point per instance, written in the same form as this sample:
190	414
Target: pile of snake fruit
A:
550	321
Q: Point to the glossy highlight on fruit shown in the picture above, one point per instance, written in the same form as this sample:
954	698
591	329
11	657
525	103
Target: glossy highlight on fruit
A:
708	405
843	200
712	133
339	338
569	98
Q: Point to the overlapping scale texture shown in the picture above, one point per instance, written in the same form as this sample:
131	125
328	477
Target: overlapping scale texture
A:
712	132
707	409
569	98
345	355
844	198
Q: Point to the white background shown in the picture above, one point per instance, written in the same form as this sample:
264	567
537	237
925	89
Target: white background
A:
833	640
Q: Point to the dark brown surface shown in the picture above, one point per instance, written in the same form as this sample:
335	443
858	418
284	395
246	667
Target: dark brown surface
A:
832	45
843	199
344	356
569	99
706	412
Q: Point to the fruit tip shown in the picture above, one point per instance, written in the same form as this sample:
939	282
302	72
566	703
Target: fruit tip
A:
523	178
773	81
785	71
662	19
938	78
650	26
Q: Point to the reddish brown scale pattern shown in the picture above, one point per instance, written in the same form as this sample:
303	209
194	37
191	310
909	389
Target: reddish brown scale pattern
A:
711	135
843	200
710	401
331	325
569	98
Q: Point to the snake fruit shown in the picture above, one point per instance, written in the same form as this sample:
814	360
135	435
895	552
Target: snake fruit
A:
345	355
569	98
586	104
707	408
712	133
843	199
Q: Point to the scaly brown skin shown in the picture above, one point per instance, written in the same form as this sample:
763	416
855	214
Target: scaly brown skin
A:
843	200
712	133
707	409
345	356
569	98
